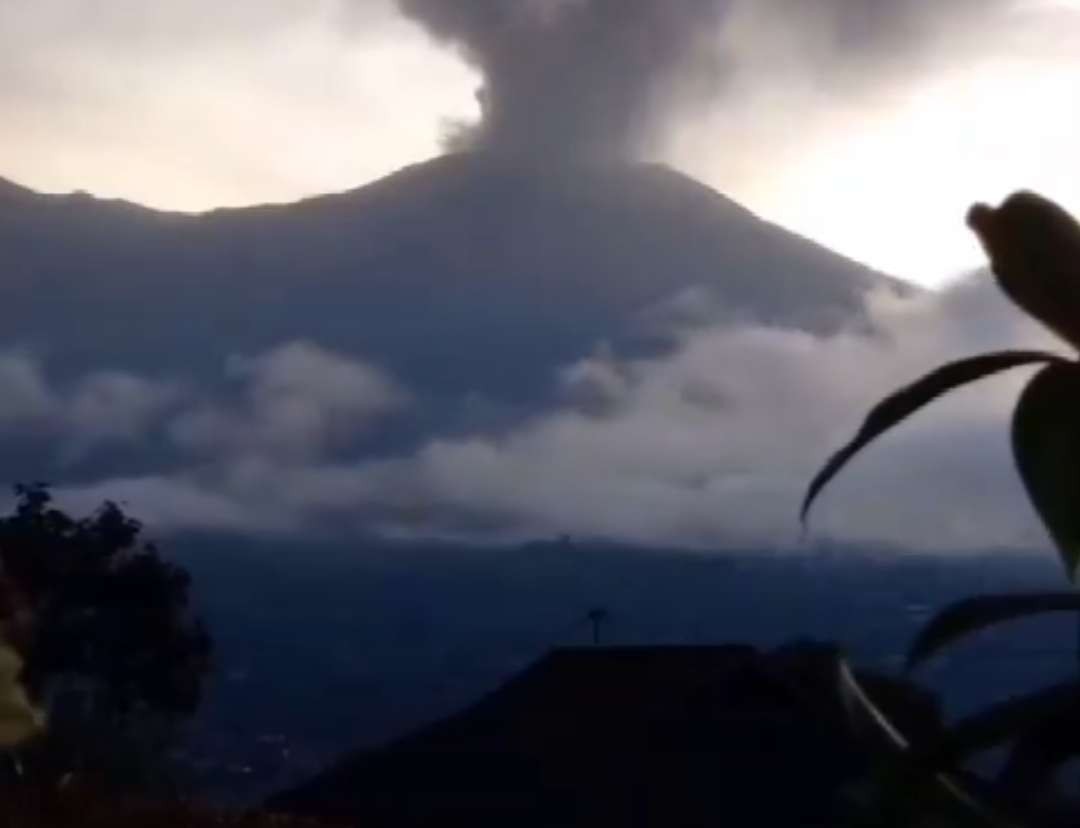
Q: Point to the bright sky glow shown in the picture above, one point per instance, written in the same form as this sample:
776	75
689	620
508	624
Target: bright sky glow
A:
300	110
892	187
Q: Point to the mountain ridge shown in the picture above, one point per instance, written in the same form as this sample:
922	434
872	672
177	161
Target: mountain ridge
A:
403	175
473	282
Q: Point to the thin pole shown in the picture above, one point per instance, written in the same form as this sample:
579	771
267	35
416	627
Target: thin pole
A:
1078	643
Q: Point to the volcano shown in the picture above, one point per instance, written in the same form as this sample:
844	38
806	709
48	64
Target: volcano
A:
466	274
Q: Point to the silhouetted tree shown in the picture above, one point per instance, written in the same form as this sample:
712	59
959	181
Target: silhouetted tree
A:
102	623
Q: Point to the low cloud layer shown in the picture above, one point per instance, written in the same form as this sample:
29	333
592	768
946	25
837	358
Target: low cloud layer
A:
298	401
103	408
713	446
710	446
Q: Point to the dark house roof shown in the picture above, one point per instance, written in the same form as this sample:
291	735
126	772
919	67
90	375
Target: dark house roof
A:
629	736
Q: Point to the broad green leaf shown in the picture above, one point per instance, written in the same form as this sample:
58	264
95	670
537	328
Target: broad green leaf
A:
1003	723
974	614
1046	445
901	404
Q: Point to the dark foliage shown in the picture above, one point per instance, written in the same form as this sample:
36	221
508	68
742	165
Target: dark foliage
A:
104	627
88	601
1034	250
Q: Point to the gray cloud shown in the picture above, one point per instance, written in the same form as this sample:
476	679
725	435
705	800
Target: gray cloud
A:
294	403
116	406
580	77
608	77
709	446
298	401
107	407
25	397
596	385
713	445
867	33
175	502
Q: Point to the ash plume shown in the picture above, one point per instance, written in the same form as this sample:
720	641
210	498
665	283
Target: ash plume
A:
607	78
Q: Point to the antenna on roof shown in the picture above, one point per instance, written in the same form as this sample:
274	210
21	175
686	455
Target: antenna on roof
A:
597	616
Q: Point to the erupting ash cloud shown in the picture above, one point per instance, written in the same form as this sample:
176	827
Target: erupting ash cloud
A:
606	78
581	78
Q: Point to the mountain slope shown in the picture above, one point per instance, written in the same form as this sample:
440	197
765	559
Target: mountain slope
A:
423	272
623	736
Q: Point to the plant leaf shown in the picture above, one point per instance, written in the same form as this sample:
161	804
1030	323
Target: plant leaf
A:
974	614
905	402
1034	250
1046	445
901	791
865	717
1001	723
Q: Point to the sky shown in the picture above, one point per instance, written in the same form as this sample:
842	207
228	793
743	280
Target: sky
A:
867	125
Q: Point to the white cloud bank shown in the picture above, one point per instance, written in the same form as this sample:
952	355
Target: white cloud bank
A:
106	407
710	446
299	402
714	445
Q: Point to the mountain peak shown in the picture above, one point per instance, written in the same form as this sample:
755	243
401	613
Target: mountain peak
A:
9	189
421	271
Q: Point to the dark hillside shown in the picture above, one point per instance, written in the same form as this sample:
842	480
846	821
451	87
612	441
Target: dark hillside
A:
628	736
